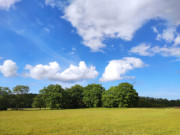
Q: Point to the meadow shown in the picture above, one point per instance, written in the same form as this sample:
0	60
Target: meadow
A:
94	121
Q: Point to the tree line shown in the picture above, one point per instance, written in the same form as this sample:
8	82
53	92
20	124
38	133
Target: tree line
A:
93	95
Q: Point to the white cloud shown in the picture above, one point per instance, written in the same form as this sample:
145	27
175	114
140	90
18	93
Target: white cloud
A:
97	20
117	68
9	68
155	29
142	49
71	74
50	2
43	71
69	85
177	40
60	4
6	4
167	35
164	51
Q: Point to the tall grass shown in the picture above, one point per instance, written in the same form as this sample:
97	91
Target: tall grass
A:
100	121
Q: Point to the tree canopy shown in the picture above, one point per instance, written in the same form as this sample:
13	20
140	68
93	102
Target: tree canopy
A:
54	96
123	95
4	100
75	96
92	95
20	93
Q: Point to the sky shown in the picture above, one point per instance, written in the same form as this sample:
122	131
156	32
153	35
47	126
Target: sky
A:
107	42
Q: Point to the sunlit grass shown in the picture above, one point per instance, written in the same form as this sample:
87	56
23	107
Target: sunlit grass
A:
101	121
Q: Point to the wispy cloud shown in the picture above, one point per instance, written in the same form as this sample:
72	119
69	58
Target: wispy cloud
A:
142	49
1	58
167	35
60	4
47	30
147	50
170	35
6	4
42	45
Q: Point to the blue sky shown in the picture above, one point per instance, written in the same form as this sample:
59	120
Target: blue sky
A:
87	41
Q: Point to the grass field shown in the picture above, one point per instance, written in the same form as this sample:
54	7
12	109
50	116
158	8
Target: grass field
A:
101	121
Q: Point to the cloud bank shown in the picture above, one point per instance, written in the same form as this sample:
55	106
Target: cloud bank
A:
96	20
71	74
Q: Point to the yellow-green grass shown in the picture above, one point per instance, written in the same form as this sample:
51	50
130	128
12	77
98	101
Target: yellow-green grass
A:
100	121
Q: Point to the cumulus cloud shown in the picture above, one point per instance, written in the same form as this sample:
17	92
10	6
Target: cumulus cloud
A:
9	68
97	20
6	4
71	74
43	71
117	68
144	49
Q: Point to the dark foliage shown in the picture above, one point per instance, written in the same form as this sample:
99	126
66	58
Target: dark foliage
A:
157	102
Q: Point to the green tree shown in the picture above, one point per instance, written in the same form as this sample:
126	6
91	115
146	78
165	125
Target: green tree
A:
108	98
39	101
75	96
55	96
123	95
28	100
20	93
92	95
4	98
126	95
